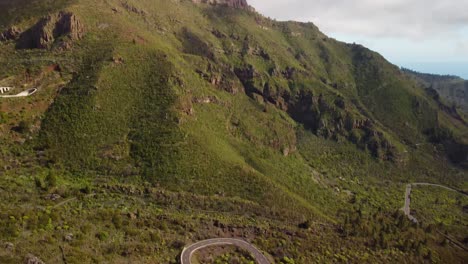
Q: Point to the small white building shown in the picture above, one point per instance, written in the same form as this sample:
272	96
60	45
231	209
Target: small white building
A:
4	89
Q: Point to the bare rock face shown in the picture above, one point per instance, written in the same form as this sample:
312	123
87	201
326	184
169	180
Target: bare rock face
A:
12	33
240	4
133	9
65	26
9	246
69	24
31	259
222	78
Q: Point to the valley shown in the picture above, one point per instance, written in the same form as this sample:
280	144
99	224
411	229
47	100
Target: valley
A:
160	124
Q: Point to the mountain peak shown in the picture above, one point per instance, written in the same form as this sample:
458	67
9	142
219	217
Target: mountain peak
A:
240	4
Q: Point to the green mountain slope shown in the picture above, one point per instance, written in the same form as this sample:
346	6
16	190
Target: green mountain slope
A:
177	121
451	88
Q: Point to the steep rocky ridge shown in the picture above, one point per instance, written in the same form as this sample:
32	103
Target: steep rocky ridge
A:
240	4
62	27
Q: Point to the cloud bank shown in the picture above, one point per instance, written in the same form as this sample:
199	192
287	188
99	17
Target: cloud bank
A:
415	19
404	31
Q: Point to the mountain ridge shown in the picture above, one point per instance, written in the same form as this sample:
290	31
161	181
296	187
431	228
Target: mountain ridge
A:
240	4
208	120
451	88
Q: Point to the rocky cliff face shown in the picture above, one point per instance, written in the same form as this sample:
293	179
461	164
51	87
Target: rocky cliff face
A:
241	4
64	26
329	119
10	34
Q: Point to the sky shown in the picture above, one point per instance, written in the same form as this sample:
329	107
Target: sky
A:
424	35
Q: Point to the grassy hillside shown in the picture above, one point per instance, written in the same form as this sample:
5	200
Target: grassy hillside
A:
170	122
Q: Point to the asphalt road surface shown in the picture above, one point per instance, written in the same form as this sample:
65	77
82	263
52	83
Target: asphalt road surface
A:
256	254
22	94
406	208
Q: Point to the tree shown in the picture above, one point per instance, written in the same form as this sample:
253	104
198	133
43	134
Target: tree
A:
305	225
51	179
23	127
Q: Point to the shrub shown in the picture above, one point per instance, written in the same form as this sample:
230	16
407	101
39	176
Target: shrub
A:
87	189
39	182
3	118
304	225
23	127
51	180
117	220
287	260
102	235
154	237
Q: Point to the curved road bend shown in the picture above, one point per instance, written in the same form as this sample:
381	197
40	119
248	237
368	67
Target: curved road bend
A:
406	208
190	250
22	94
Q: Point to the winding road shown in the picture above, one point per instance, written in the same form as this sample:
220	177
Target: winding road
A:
407	209
187	253
22	94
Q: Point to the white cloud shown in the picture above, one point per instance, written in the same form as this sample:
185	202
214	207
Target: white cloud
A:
431	30
390	18
462	48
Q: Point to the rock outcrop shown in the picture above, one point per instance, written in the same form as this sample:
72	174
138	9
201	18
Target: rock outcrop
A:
133	9
324	117
222	78
240	4
31	259
63	26
12	33
250	79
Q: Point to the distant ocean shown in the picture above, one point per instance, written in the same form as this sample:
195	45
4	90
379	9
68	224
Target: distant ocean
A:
443	68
